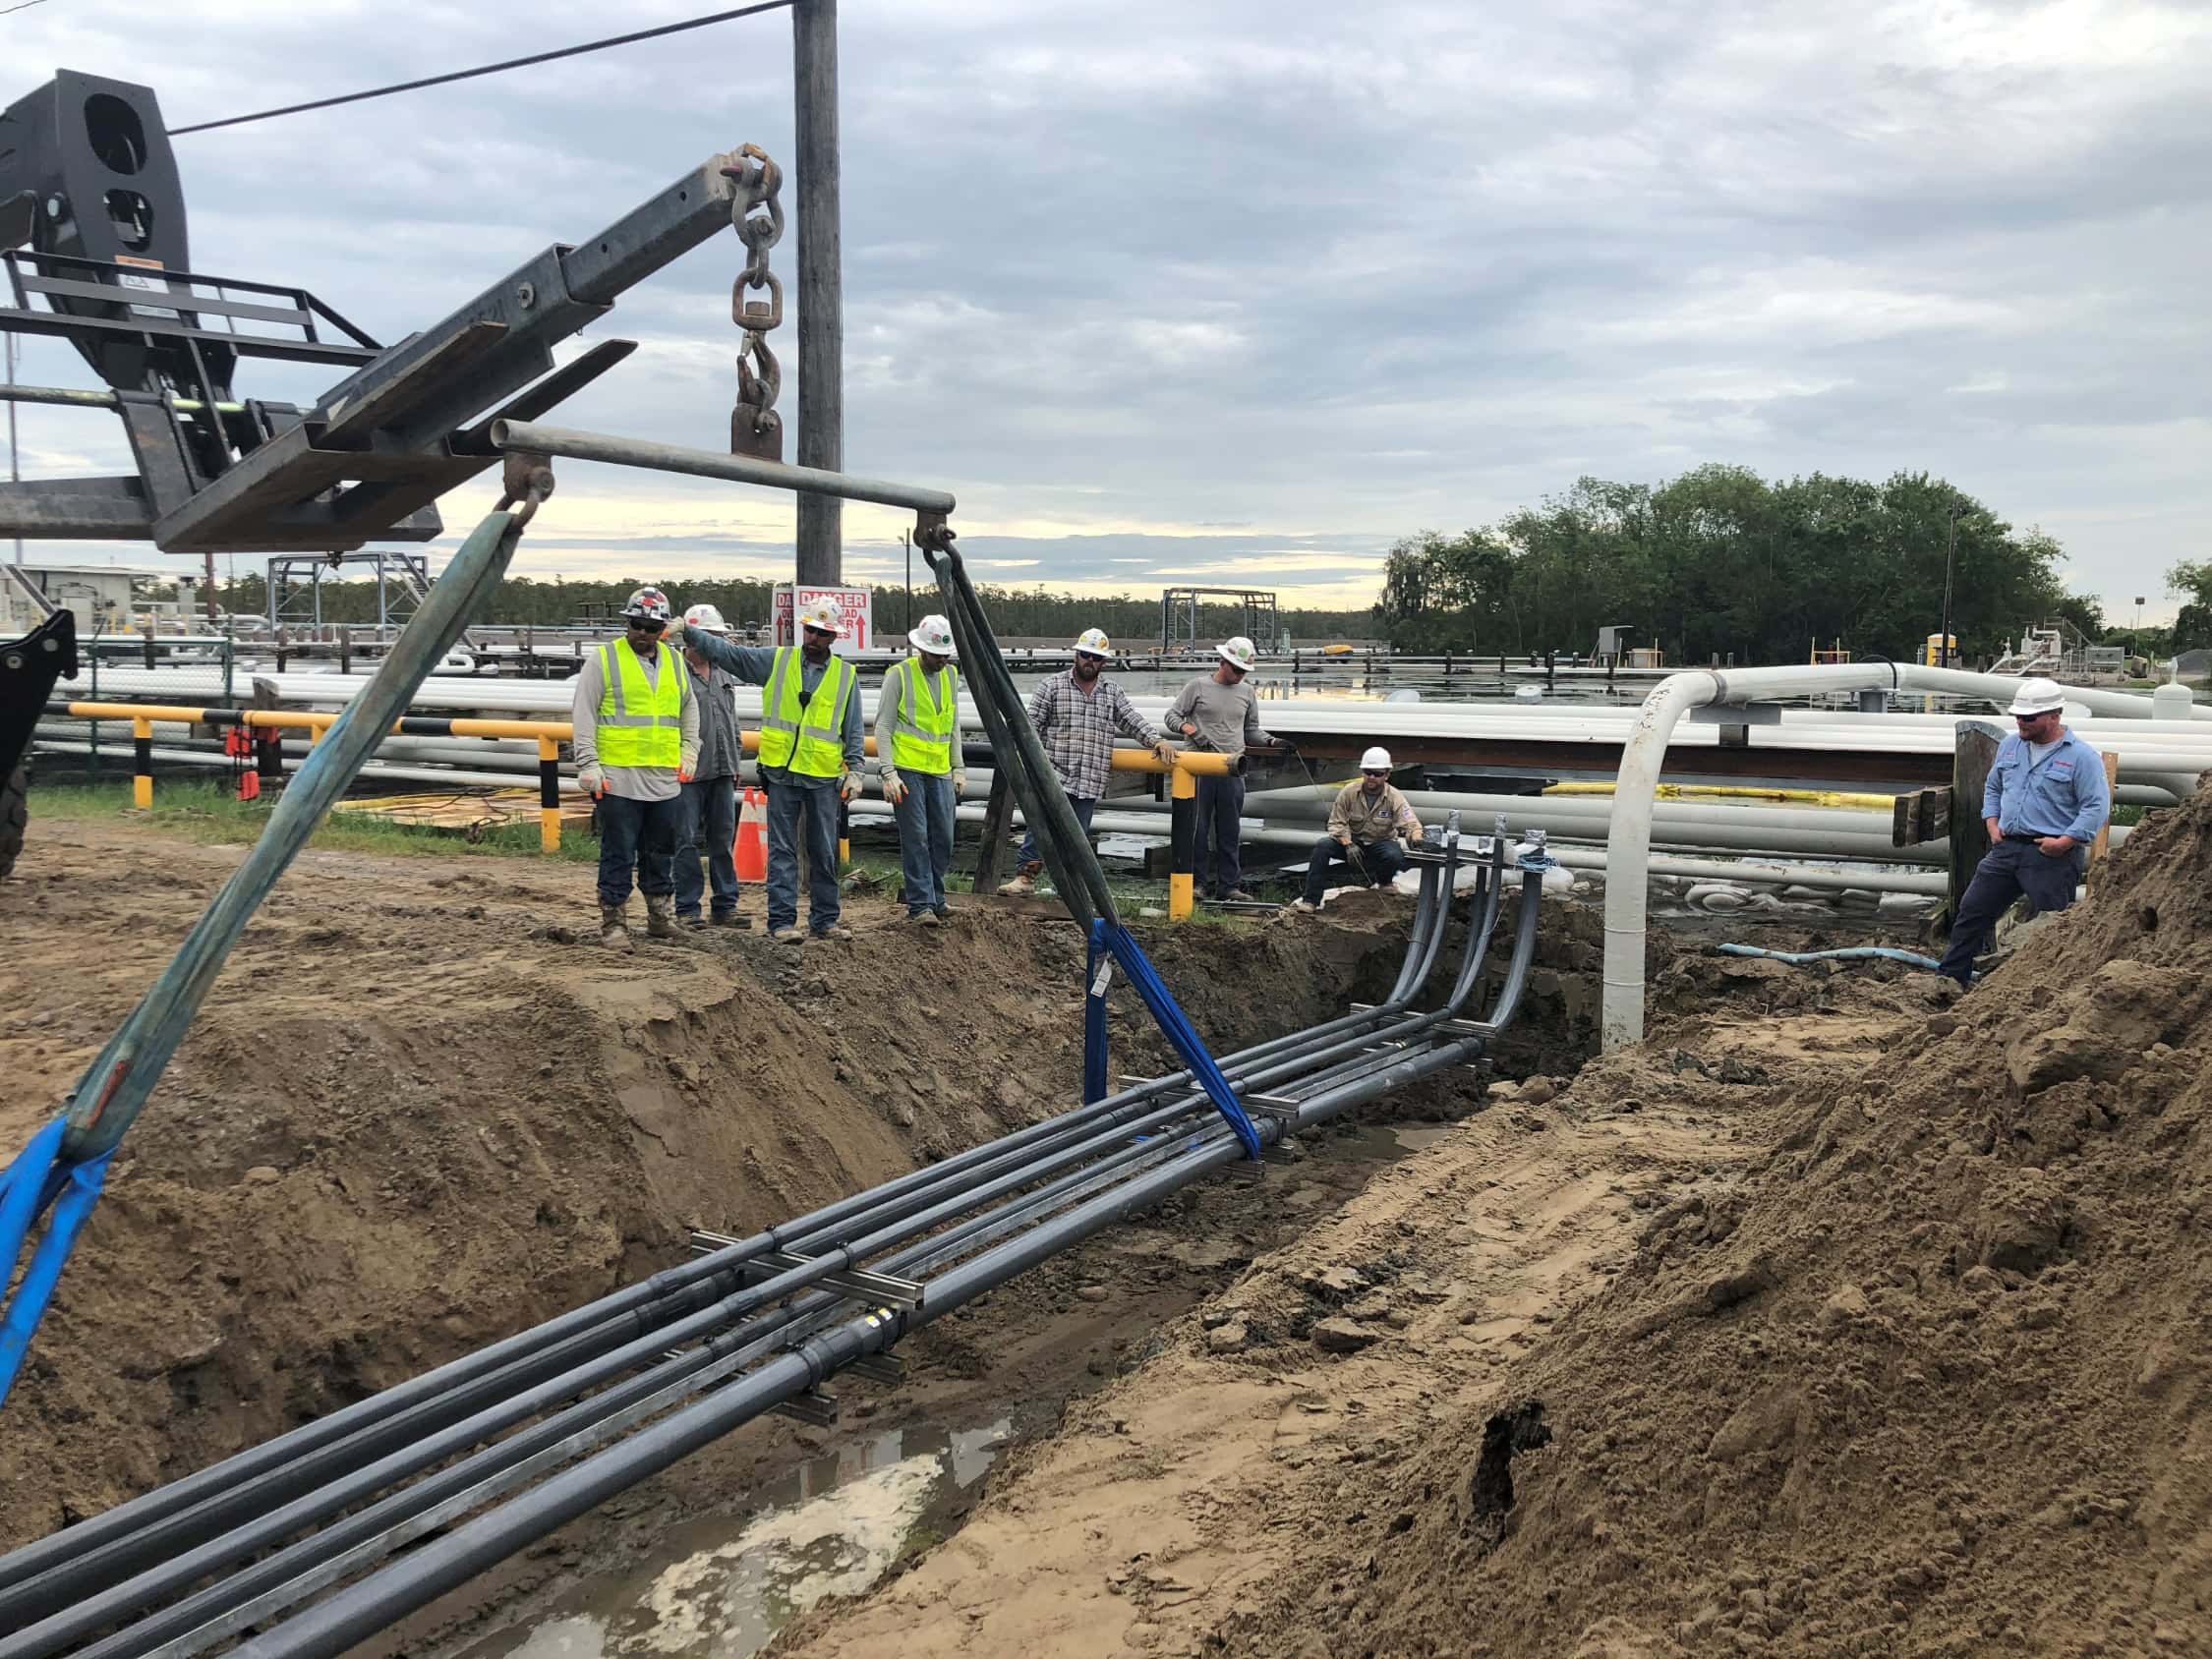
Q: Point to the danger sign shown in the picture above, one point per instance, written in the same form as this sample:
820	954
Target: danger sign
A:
852	608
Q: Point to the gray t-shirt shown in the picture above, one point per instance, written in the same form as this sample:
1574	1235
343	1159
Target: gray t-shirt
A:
1227	715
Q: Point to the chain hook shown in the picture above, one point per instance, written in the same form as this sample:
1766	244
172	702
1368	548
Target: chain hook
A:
756	214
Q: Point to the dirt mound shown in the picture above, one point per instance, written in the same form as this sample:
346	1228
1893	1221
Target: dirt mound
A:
417	1115
1930	1379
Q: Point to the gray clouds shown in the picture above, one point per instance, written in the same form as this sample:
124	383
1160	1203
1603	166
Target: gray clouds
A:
1324	275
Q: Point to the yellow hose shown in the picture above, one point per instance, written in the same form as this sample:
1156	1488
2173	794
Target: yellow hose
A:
1743	793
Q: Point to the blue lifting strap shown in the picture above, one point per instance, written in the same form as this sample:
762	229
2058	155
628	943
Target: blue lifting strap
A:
1110	938
40	1177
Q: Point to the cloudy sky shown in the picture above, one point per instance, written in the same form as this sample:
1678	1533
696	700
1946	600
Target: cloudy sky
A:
1243	291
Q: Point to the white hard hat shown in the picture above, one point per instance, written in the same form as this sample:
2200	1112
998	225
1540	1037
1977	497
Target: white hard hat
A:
1375	759
2037	697
824	615
1095	642
705	616
934	635
649	604
1237	652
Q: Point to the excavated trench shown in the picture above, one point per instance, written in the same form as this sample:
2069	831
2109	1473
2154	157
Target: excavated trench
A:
716	1556
418	1115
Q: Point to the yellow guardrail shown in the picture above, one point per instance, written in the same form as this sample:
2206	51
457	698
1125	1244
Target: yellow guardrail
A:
1189	766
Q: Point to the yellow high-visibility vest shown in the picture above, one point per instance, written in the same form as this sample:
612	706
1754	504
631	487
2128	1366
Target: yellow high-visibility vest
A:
806	738
640	722
922	738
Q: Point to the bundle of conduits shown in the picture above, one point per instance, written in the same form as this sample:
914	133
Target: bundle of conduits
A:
336	1529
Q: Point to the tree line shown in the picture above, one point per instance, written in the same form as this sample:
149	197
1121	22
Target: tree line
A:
1128	618
1723	562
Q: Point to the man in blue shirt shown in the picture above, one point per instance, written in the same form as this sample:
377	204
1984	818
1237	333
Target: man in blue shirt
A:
2045	801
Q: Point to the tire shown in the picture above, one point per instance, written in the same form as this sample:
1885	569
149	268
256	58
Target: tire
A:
14	817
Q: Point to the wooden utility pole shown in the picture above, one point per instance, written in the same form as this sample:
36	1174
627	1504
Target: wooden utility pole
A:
821	293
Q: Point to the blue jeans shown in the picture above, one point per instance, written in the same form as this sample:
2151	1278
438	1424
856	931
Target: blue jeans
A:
2007	870
817	800
710	812
1382	860
1221	821
1084	810
638	835
925	838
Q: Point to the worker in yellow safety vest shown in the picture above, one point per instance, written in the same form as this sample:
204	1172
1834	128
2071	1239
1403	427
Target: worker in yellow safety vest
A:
811	755
918	754
637	741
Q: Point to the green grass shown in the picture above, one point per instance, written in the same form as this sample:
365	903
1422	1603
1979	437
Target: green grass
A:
210	815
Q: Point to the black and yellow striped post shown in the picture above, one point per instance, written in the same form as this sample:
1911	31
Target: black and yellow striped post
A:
548	795
141	762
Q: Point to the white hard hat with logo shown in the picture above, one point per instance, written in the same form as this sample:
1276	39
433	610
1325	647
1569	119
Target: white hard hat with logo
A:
705	616
1094	642
1375	759
934	635
648	605
823	615
2037	697
1237	652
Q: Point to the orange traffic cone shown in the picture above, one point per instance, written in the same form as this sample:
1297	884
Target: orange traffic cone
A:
750	852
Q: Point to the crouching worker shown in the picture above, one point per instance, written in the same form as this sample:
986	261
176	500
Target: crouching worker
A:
1371	826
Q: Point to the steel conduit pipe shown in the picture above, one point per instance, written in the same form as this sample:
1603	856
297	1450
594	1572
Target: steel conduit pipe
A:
335	1538
229	1478
374	1602
1466	973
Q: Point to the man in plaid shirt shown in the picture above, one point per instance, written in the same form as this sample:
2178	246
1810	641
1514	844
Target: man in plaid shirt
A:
1077	715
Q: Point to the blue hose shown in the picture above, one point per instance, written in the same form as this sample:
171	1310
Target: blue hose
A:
1849	954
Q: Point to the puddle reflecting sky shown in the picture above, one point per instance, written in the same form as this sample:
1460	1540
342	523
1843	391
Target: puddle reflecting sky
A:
721	1588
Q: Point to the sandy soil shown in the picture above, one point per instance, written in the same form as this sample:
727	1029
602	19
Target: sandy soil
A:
1838	1319
1246	1460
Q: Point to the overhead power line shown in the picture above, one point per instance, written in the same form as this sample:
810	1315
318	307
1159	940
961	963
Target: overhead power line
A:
486	69
24	7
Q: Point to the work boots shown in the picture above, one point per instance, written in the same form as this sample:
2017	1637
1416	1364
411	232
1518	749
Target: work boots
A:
1025	880
660	916
615	927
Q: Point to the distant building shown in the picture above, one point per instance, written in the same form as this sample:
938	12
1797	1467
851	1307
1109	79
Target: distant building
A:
106	598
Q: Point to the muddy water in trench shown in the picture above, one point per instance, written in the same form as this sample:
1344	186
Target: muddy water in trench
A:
721	1587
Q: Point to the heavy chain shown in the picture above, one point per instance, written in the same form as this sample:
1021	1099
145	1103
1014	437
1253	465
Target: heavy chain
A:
756	214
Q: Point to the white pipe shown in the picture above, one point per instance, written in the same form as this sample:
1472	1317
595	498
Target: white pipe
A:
1885	880
1832	877
1628	850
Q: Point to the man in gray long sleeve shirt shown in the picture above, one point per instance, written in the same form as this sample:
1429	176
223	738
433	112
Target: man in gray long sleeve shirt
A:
810	760
636	739
1218	712
710	799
